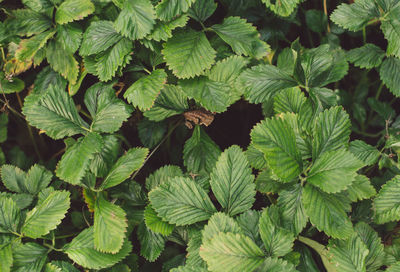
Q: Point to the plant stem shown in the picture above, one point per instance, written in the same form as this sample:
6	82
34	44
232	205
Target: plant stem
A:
328	28
378	93
321	250
364	32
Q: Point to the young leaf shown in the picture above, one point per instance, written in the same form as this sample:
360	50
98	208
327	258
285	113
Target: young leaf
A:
62	61
136	19
188	54
38	178
168	9
277	140
388	72
367	56
202	10
76	160
264	81
232	182
282	8
327	212
131	161
231	252
155	223
46	215
242	37
200	152
73	10
108	219
9	215
181	201
219	222
54	112
364	152
361	188
81	250
151	243
144	91
387	202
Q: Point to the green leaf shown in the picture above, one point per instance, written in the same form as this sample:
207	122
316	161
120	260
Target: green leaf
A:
361	188
193	258
131	161
168	9
394	267
256	158
200	152
108	112
64	266
38	5
103	160
9	215
51	268
38	178
232	182
188	268
73	10
242	37
202	10
29	257
390	28
263	81
364	152
108	218
162	175
276	265
3	127
367	56
21	200
249	223
348	255
13	86
219	222
334	171
108	62
151	243
289	100
144	91
6	255
46	215
181	201
316	20
13	178
62	61
54	112
27	48
151	133
213	95
278	241
282	8
27	22
331	132
388	72
171	101
327	212
76	160
136	19
355	16
81	250
387	202
98	37
69	36
277	140
231	252
376	256
293	215
188	54
155	223
163	30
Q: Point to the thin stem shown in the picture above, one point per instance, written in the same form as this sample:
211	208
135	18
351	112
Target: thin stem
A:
12	109
364	32
53	248
328	28
321	250
366	134
378	93
146	70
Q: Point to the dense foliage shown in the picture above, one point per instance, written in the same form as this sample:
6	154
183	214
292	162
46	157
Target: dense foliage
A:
200	135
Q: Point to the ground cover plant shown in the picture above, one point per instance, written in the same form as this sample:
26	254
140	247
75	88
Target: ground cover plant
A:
200	135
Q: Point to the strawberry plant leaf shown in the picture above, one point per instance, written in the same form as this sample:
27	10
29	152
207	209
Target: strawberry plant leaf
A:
364	152
386	203
289	100
163	30
370	238
162	175
367	56
155	223
388	71
102	161
168	9
69	36
29	47
73	10
29	257
202	10
9	215
276	265
361	188
219	222
282	8
390	28
151	243
62	61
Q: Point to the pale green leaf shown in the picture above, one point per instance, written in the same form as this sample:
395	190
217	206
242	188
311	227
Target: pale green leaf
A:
51	268
81	250
38	5
202	10
181	201
62	61
276	265
73	10
161	175
38	178
21	200
188	268
361	188
282	8
256	158
27	22
168	9
188	54
231	252
367	56
64	266
46	215
151	243
376	256
163	30
219	222
131	161
387	202
27	48
249	223
364	152
6	255
155	223
136	19
29	257
193	258
232	182
9	215
69	36
388	73
390	28
394	267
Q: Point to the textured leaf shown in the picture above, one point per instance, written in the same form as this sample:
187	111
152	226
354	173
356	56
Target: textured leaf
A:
289	100
276	265
151	133
168	9
155	223
202	10
102	161
264	81
29	47
188	268
388	72
162	175
131	161
151	243
46	215
193	258
54	112
21	200
163	30
181	201
108	219
28	22
394	267
69	36
278	241
256	158
136	19
334	171
367	56
9	215
376	255
64	266
188	54
232	182
6	254
249	223
200	152
348	255
281	8
231	252
219	222
13	178
29	257
144	91
361	188
76	160
62	61
14	86
387	202
390	28
331	132
277	140
327	212
81	250
242	37
213	95
73	10
98	37
364	152
171	101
